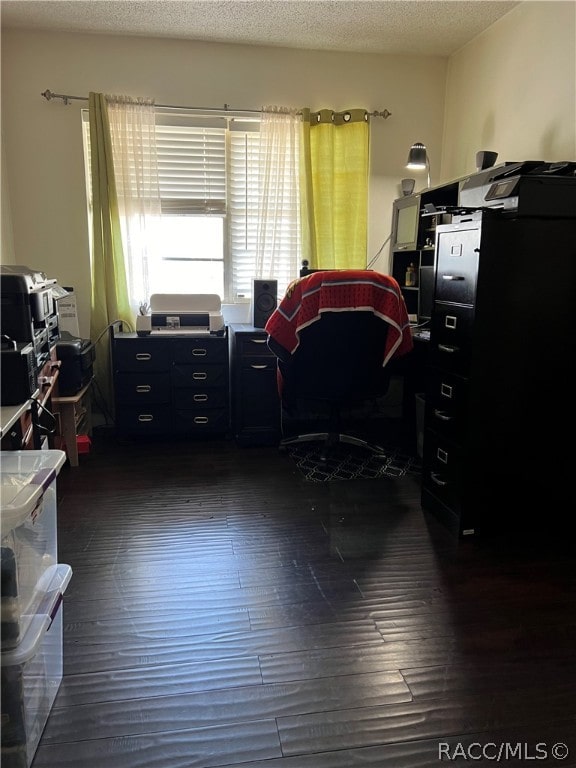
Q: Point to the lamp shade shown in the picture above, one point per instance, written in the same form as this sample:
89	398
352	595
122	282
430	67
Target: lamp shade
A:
417	157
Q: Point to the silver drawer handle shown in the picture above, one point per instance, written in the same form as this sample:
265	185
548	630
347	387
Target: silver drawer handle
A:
448	348
145	417
143	388
199	352
446	390
442	455
258	367
437	479
143	356
200	398
258	341
442	415
453	277
200	376
201	419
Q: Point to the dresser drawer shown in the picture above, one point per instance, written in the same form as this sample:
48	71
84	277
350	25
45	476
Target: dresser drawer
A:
141	355
199	376
254	346
145	420
450	338
200	350
256	364
197	422
143	387
200	399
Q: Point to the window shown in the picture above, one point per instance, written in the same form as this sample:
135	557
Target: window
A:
205	240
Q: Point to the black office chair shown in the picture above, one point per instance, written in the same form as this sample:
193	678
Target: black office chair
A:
333	333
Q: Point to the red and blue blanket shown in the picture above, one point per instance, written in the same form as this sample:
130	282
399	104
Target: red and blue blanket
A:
340	291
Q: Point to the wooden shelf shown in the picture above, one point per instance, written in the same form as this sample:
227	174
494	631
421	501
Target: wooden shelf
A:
75	418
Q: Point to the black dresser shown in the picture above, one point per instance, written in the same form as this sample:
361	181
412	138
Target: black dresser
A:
500	386
171	384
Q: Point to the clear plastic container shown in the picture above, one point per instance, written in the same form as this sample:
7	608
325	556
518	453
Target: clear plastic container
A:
28	533
31	676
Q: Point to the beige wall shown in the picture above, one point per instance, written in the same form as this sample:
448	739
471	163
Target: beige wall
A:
43	139
6	241
512	90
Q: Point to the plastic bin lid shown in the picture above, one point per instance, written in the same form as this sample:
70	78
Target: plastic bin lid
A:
15	462
17	503
24	476
41	621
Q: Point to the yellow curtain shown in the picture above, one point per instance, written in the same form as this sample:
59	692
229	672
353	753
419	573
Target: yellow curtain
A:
109	288
334	188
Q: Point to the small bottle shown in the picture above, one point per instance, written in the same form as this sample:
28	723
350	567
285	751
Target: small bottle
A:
410	276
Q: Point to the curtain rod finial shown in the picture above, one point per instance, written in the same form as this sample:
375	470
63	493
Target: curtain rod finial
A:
47	95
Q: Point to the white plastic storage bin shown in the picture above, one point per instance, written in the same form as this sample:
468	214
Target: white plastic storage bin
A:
28	531
31	676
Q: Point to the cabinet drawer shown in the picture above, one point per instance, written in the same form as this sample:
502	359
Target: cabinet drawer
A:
152	420
451	338
141	355
442	470
200	350
447	404
457	269
196	422
254	346
200	399
256	364
199	376
260	399
143	387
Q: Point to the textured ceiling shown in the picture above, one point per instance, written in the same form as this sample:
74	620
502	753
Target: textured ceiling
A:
423	27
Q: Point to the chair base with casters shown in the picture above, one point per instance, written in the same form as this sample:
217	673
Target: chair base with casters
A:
318	391
329	440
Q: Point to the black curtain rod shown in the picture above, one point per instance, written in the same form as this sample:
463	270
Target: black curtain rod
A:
49	95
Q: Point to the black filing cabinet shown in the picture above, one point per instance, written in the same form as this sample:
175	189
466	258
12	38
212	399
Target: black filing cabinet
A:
255	401
171	385
499	378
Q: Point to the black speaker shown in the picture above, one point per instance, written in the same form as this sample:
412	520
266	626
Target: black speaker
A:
264	301
485	159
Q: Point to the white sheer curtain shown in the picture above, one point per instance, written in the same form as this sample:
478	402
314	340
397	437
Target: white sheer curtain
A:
278	232
133	132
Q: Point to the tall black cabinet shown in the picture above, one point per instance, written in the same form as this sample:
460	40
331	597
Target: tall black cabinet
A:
500	385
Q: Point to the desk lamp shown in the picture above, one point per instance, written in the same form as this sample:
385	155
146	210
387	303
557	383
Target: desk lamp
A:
418	159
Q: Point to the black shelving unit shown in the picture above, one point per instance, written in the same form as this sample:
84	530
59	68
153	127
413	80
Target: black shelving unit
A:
418	247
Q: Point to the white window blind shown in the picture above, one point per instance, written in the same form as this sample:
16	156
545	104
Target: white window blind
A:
191	166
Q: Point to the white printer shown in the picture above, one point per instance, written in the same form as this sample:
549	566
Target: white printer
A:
191	314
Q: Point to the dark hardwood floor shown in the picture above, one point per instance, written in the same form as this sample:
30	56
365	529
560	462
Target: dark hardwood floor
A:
223	611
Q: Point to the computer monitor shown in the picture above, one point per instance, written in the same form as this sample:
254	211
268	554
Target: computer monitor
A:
426	283
405	223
